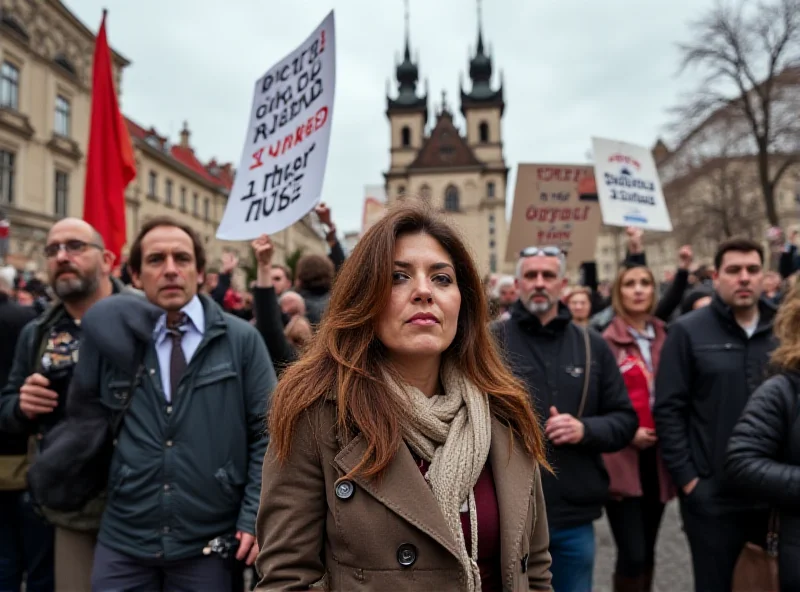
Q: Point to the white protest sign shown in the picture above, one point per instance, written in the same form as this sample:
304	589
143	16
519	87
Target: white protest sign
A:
279	179
628	186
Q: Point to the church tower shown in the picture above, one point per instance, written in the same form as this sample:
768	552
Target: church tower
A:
482	108
407	113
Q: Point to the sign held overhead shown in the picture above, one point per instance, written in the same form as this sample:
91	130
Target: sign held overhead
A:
628	186
280	174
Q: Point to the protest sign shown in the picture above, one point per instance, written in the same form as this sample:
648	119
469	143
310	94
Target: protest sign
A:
555	204
279	179
628	186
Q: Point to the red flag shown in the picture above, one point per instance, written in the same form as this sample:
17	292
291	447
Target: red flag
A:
110	164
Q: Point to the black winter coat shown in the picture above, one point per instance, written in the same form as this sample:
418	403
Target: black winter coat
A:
708	369
550	360
764	463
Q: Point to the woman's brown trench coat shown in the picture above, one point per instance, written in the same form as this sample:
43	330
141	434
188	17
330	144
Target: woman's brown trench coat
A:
387	534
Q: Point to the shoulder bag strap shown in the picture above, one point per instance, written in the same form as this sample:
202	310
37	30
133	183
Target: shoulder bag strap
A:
587	371
119	417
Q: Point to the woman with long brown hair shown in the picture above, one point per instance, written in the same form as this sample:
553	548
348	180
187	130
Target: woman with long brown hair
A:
403	453
639	483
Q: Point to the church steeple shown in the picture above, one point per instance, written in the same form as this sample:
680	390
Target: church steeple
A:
480	73
407	75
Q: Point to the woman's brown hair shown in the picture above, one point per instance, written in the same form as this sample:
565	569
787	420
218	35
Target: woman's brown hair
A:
787	330
347	359
616	291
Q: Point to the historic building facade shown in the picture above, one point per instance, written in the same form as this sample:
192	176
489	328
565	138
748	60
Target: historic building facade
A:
45	102
463	174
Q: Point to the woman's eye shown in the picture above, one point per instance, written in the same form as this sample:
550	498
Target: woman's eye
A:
443	279
398	276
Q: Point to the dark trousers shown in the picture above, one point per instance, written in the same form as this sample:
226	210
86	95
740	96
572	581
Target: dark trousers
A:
716	540
26	545
116	572
635	521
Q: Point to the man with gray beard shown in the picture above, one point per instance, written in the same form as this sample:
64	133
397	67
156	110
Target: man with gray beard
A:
32	401
583	414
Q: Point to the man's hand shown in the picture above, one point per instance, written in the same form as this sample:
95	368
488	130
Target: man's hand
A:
562	428
685	257
35	398
229	262
263	250
644	438
689	487
248	548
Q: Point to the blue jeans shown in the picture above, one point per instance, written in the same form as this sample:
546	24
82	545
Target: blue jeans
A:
26	545
572	550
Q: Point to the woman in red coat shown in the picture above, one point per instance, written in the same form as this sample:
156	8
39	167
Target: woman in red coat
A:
639	483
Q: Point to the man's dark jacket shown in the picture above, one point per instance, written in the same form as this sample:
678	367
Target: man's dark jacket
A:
188	470
13	318
28	360
708	370
551	361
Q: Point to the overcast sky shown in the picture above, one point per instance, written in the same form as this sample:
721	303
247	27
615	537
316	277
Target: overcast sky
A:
572	68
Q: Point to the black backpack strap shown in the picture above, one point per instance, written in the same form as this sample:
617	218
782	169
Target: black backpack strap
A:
118	418
587	373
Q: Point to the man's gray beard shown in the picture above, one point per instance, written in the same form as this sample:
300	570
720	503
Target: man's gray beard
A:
76	288
538	308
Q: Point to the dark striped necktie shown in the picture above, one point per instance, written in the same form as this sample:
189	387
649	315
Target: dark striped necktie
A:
177	358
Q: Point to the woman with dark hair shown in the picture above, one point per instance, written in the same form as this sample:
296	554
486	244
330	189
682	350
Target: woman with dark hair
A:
403	453
763	460
639	483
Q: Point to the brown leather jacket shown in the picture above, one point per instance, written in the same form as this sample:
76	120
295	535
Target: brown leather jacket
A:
387	534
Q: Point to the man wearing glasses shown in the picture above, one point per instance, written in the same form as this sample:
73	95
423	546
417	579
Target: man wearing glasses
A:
584	414
32	401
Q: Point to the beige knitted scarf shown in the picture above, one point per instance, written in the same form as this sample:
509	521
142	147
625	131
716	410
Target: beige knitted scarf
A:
452	431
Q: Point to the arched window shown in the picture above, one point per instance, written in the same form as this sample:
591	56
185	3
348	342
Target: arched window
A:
425	192
451	199
483	132
14	25
490	189
406	137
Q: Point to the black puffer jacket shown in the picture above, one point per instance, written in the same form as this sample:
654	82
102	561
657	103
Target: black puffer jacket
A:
764	463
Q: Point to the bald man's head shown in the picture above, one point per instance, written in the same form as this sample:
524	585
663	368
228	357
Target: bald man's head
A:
77	261
292	304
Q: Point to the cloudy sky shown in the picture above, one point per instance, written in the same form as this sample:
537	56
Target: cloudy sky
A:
572	68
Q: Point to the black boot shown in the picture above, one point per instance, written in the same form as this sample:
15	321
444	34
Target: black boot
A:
647	579
628	584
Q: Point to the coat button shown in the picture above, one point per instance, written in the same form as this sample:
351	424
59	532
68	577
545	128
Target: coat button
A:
345	490
406	555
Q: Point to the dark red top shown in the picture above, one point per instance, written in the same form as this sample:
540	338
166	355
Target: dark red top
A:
488	528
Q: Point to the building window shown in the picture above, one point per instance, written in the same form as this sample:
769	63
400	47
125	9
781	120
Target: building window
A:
183	199
405	139
61	194
491	244
195	205
168	191
6	177
9	86
62	116
425	192
401	190
451	199
206	209
493	262
491	229
490	190
151	187
491	218
483	132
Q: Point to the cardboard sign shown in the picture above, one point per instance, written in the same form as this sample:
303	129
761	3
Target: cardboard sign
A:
628	186
555	204
279	179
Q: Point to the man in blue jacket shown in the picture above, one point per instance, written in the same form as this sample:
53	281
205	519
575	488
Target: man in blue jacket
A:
187	463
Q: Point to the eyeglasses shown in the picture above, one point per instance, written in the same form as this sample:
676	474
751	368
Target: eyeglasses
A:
70	247
545	251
